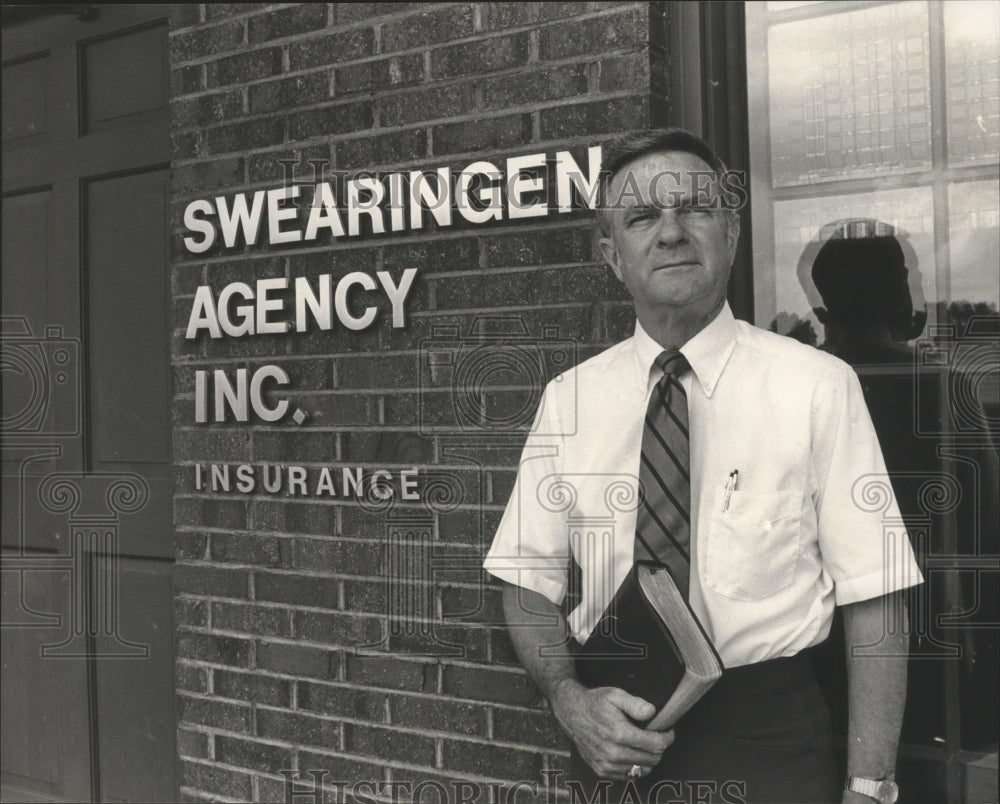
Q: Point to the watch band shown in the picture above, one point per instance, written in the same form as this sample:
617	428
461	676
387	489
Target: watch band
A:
883	791
867	787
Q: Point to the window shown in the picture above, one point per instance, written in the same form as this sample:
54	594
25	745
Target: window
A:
875	209
887	113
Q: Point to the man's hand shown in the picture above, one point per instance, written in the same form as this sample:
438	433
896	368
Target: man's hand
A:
598	722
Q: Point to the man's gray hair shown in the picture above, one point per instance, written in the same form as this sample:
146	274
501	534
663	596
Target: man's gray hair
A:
637	144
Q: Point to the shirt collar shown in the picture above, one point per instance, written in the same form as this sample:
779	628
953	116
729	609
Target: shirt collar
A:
708	352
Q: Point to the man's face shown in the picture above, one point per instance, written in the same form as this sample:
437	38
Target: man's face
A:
669	244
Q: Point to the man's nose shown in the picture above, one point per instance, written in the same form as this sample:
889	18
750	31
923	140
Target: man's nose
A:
670	232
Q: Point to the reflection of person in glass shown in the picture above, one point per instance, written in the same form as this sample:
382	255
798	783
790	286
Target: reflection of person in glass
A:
862	272
768	560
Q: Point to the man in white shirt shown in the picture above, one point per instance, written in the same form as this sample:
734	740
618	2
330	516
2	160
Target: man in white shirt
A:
808	527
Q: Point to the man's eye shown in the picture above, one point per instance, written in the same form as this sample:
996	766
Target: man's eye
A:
640	217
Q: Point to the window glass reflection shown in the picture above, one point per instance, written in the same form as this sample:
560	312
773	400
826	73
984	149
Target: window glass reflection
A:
972	81
801	227
974	243
849	94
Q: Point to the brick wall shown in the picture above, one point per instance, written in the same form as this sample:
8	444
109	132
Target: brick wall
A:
287	658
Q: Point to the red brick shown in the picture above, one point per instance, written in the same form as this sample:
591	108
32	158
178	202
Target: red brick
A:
483	56
630	71
596	117
207	176
298	728
205	41
482	605
294	447
251	548
287	22
485	684
244	67
456	642
384	150
338	409
340	556
522	248
366	596
192	744
298	660
343	46
186	146
340	119
508	15
486	759
188	545
254	755
537	86
296	590
438	714
391	673
369	76
257	346
251	687
288	93
213	648
218	11
204	579
245	136
497	132
270	167
338	768
348	630
213	779
356	12
220	714
467	527
432	255
386	743
528	728
210	513
341	701
590	283
560	10
409	107
298	517
184	15
627	28
184	80
190	678
250	619
427	28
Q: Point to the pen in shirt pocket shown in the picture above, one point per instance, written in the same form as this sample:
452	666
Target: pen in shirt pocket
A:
734	478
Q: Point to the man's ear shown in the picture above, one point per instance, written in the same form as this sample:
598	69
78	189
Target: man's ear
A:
732	233
610	254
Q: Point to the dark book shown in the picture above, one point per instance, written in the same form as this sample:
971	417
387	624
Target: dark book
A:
649	643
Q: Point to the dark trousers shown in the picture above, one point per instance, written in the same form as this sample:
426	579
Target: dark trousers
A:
761	735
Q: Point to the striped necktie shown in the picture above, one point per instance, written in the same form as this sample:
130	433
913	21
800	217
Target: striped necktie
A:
663	522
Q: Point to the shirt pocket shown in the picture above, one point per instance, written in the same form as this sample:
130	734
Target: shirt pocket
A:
752	548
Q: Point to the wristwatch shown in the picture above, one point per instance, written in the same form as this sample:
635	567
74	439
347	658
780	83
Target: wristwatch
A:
884	791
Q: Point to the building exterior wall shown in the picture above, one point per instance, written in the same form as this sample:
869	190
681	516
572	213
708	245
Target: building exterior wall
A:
274	594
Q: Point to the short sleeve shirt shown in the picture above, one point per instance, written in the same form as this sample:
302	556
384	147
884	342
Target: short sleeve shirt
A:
813	522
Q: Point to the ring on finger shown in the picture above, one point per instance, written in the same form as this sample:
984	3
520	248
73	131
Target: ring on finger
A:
635	772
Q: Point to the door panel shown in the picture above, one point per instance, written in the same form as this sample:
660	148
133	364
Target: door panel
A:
45	734
133	767
88	694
